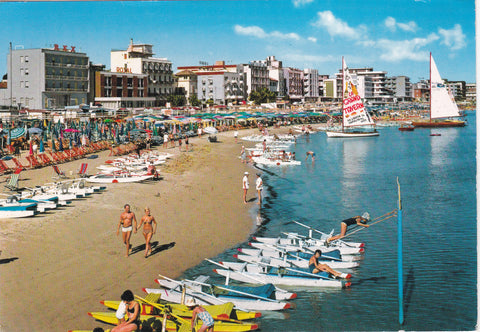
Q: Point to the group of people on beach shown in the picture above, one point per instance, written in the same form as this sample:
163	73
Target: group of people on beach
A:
128	223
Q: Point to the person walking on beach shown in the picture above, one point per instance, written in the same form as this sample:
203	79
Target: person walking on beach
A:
165	140
315	267
200	312
245	187
149	229
243	155
357	220
259	188
235	134
310	153
186	143
126	219
180	143
132	309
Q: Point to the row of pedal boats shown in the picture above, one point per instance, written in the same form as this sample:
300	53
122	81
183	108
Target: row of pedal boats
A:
31	201
268	264
275	152
131	168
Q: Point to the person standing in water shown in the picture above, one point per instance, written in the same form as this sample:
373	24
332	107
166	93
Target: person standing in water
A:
149	228
126	220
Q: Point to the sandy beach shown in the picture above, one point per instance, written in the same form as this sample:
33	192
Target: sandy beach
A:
57	266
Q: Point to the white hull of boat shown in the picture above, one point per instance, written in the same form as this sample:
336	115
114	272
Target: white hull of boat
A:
344	134
104	178
292	241
309	249
18	210
279	280
277	162
291	262
281	254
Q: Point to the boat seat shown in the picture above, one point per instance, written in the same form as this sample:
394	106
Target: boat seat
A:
203	279
153	297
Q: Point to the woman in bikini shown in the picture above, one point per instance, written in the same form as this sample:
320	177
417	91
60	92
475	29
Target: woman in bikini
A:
132	309
148	230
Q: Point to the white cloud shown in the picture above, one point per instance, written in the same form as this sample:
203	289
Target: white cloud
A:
312	39
393	50
454	38
337	27
392	24
258	32
300	3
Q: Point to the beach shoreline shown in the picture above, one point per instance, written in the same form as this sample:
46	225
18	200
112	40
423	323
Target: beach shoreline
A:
59	265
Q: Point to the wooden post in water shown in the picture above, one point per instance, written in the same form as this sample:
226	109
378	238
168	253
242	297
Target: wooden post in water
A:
400	257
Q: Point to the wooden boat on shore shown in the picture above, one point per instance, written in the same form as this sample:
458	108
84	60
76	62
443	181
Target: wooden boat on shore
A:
442	105
245	272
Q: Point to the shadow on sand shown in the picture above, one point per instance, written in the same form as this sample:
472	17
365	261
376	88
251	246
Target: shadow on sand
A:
8	260
156	248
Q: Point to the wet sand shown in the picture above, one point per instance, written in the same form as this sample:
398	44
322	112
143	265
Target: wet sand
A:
56	267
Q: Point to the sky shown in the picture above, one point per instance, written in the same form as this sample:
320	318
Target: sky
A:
395	36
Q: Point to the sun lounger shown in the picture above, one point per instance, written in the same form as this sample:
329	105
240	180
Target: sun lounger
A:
18	163
34	163
4	168
13	181
83	170
45	159
58	173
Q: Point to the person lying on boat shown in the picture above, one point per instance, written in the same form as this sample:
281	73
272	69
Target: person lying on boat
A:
357	220
204	315
132	309
316	267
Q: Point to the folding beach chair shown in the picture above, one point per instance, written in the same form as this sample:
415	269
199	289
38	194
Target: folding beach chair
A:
4	168
34	163
58	173
13	181
45	159
83	170
18	163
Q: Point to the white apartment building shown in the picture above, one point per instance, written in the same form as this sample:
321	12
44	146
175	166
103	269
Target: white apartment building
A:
221	87
138	59
379	94
187	80
44	78
310	84
471	92
275	73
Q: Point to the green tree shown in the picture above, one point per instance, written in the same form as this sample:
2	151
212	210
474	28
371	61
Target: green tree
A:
193	100
262	95
176	100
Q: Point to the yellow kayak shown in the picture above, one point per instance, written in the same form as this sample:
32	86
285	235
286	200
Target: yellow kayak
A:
223	312
155	320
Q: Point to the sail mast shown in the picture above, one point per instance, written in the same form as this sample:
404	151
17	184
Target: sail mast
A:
430	114
343	90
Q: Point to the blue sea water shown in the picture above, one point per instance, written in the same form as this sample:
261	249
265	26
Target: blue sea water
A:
350	176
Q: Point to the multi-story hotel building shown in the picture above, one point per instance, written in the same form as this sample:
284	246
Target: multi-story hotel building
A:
310	84
219	82
122	90
294	83
399	87
187	81
471	92
275	73
379	94
46	78
137	59
256	75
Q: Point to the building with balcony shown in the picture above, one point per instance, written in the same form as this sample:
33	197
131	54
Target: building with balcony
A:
187	81
221	87
138	59
122	90
256	75
46	78
310	85
380	94
399	87
294	83
275	73
457	89
421	91
471	92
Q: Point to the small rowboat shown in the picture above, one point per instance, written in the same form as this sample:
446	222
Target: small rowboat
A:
406	128
245	272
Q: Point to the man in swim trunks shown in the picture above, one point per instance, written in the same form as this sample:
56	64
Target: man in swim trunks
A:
316	267
126	220
357	220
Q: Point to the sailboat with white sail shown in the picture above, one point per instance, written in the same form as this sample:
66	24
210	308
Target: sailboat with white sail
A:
442	105
354	113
